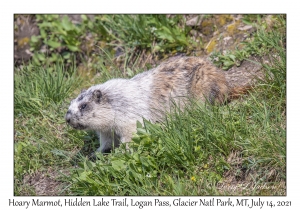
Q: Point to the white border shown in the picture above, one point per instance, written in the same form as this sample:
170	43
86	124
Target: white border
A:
154	6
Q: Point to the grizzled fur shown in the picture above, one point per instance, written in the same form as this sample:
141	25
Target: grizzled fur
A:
113	108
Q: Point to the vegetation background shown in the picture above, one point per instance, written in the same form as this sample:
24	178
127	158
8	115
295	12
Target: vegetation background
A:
237	149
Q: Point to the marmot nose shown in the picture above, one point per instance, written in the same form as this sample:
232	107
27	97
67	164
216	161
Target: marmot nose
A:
68	116
68	120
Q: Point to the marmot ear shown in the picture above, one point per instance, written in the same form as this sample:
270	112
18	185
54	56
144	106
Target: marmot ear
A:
97	95
83	90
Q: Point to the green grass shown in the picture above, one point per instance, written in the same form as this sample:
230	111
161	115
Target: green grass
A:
39	109
187	154
131	33
37	87
155	32
197	151
263	42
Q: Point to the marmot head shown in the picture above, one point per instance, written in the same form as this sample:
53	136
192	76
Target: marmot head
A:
91	110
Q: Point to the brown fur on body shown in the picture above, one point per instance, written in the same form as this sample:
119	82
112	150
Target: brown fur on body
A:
190	77
112	108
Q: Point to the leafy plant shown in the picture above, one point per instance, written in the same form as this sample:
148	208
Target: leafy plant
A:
152	166
59	36
155	32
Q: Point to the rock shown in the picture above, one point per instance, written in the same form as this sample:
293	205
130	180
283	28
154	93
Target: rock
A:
25	27
245	28
196	21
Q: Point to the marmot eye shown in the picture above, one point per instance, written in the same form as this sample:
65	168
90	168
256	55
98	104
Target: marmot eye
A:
82	106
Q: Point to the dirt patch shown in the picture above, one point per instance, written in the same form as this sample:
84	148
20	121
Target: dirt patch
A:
45	183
